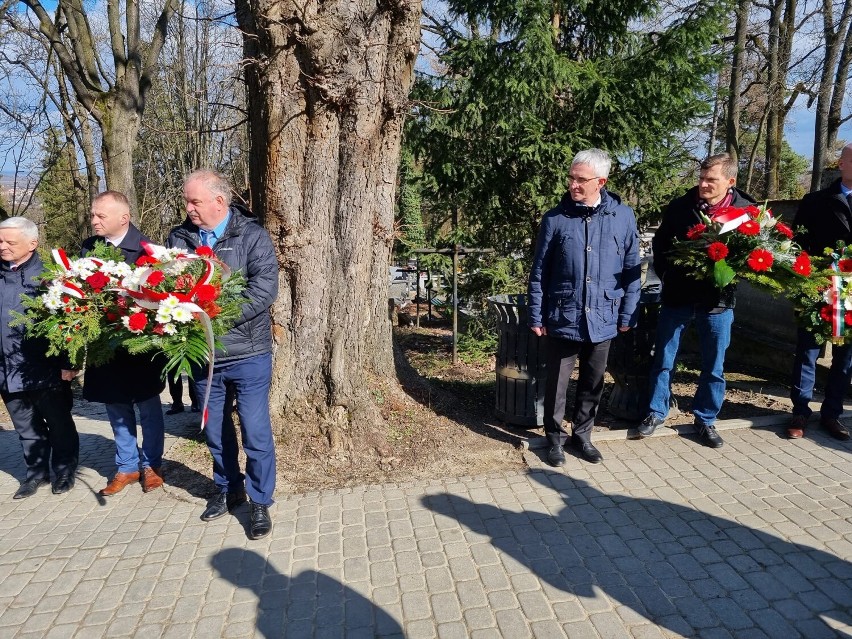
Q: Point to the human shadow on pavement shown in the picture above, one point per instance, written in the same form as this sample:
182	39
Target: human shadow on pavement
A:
682	569
309	604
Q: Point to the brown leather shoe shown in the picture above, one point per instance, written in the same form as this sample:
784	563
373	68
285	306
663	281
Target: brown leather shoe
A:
151	479
119	482
796	429
835	428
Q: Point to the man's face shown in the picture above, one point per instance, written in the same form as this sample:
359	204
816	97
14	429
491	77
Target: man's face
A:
204	208
15	247
584	185
110	218
713	185
845	165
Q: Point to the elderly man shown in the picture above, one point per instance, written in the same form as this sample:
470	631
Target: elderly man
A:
824	218
127	380
687	300
36	392
243	369
583	290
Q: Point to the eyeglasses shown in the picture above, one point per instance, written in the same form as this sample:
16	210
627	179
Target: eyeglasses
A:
580	181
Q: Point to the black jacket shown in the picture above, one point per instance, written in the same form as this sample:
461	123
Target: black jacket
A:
680	288
125	378
822	219
25	365
244	246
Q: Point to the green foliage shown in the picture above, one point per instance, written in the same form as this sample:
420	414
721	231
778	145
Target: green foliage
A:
412	235
793	169
496	131
64	204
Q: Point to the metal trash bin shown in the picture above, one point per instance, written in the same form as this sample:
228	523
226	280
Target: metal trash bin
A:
520	366
630	357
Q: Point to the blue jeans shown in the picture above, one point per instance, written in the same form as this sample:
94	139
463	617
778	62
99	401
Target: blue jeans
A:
804	377
248	380
122	418
714	335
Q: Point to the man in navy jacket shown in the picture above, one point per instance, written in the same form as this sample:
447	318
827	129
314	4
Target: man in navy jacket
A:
583	289
36	392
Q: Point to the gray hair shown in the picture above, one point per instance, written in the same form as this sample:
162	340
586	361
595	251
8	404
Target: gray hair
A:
27	227
215	182
595	158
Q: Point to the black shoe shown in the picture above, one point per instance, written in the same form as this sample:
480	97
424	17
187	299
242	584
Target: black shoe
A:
221	504
649	425
174	410
556	456
261	523
708	436
195	409
29	487
63	482
587	451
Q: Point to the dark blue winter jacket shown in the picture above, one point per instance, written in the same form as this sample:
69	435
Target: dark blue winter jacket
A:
585	278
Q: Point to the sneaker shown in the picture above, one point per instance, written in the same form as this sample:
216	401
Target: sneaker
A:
708	436
649	425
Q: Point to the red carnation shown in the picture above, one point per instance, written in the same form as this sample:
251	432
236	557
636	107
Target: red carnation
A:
204	251
696	231
847	318
184	282
783	229
97	281
845	266
137	322
155	278
158	329
752	210
111	316
802	265
145	260
717	251
749	227
825	313
206	293
760	260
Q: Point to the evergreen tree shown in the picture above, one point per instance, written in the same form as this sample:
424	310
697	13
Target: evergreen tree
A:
61	201
411	232
527	83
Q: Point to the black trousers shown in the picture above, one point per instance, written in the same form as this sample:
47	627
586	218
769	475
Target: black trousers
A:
42	419
176	391
562	355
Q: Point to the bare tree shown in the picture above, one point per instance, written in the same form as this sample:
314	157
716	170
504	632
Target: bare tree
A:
327	87
734	110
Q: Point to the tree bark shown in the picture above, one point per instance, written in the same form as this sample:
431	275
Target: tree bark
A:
734	110
327	85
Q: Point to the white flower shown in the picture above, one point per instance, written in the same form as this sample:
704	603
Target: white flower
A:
182	314
170	303
169	329
163	316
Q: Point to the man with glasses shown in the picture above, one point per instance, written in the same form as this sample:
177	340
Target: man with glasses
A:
583	289
687	300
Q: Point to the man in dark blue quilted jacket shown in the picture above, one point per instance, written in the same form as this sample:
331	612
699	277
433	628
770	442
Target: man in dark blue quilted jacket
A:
583	289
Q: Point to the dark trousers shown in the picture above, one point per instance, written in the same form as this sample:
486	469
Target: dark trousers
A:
176	391
562	354
248	380
804	377
42	419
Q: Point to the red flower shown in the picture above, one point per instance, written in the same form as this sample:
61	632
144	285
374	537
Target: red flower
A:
760	260
145	260
155	278
112	316
184	282
206	293
204	251
825	313
137	322
158	329
802	265
717	251
97	281
752	210
696	231
783	229
847	318
749	228
211	308
845	266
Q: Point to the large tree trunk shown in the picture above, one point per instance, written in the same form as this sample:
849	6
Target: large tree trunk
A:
328	85
738	56
120	131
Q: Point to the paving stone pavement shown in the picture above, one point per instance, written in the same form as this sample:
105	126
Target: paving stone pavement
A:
664	539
